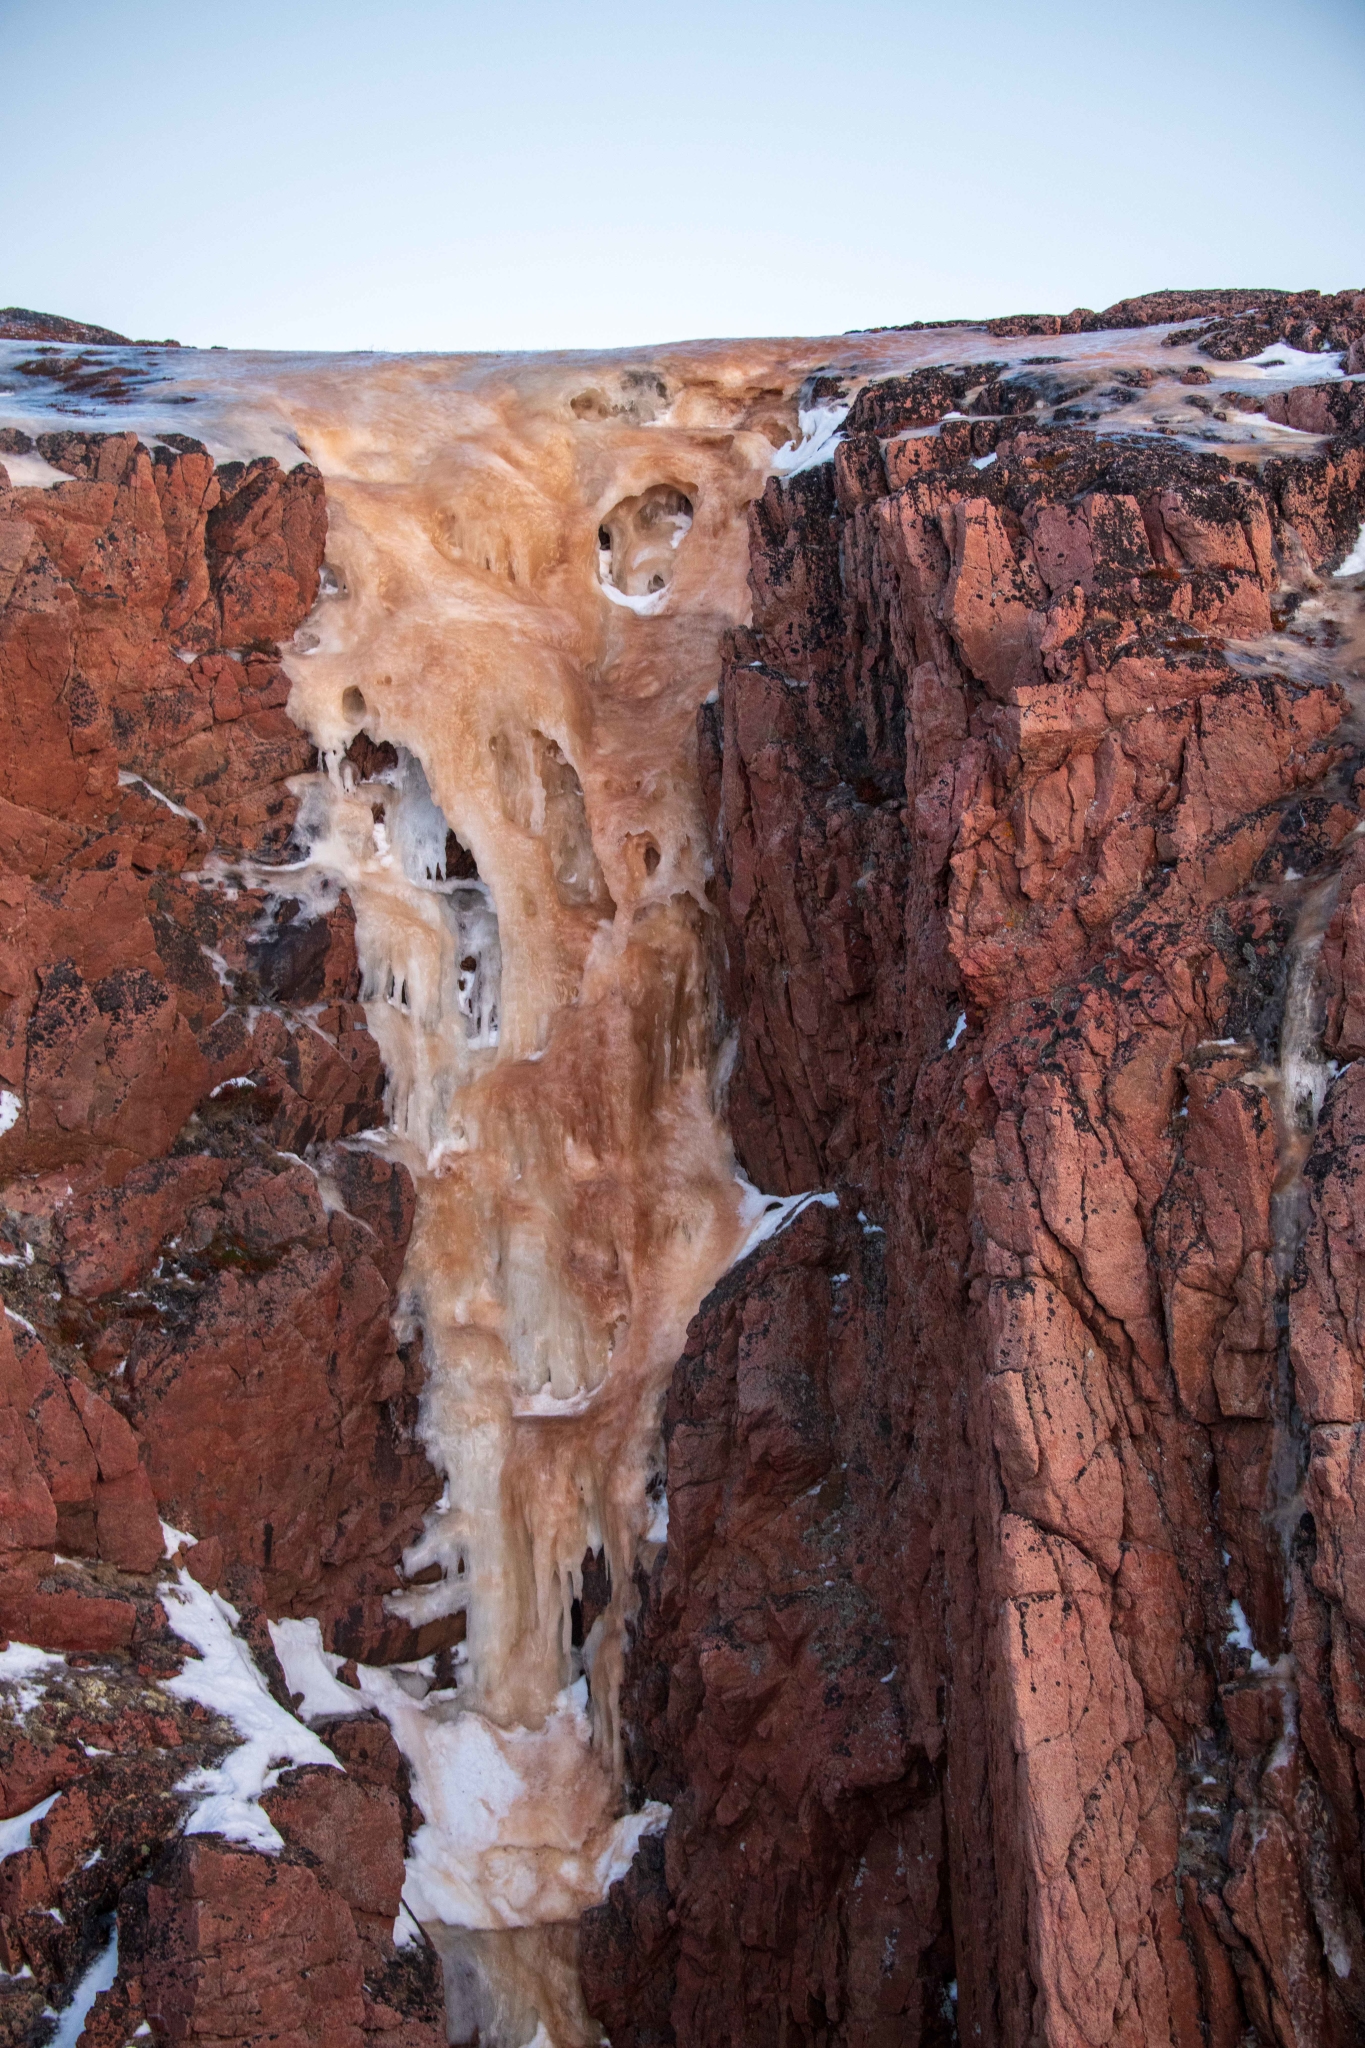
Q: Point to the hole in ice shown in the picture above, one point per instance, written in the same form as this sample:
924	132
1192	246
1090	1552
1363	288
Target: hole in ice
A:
446	957
640	396
289	952
352	702
460	863
641	848
638	541
370	757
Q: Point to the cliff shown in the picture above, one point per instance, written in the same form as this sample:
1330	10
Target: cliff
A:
447	807
1002	1667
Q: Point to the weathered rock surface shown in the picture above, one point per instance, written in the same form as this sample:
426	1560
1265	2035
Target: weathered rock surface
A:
199	1275
1005	1662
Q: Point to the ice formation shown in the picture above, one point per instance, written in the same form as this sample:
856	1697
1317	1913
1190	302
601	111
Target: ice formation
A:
523	611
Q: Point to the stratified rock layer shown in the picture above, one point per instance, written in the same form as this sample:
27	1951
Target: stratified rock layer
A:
1005	1665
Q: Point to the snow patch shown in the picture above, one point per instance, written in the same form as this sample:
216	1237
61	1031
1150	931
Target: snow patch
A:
311	1670
10	1106
226	1680
1239	1636
1282	365
128	780
17	1834
502	1845
816	442
20	1664
958	1029
767	1214
99	1977
1354	565
29	472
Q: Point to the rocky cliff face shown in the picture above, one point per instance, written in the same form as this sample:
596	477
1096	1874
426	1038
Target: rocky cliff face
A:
198	1324
1003	1666
1001	1651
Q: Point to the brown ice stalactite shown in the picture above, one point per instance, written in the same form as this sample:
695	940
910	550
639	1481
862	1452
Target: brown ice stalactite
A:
522	612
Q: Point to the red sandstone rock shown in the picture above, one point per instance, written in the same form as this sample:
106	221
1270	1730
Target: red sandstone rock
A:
246	1948
356	1833
772	1704
1046	1080
181	1274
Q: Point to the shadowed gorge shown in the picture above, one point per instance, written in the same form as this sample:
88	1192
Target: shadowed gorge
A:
677	1047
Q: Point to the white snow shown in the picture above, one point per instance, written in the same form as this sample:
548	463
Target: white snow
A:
958	1029
225	1679
29	471
175	1539
20	1664
767	1214
982	461
1354	565
406	1932
17	1834
10	1106
99	1977
1239	1636
128	780
1285	366
819	435
501	1837
311	1670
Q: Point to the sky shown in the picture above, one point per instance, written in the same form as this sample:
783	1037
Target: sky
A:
516	174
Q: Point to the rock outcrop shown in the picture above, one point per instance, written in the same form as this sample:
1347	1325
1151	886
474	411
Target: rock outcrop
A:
1003	1666
198	1325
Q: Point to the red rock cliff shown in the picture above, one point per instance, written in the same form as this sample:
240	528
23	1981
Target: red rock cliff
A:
1004	1665
198	1324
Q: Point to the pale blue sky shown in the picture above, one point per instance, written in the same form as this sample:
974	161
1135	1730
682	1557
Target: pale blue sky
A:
530	175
